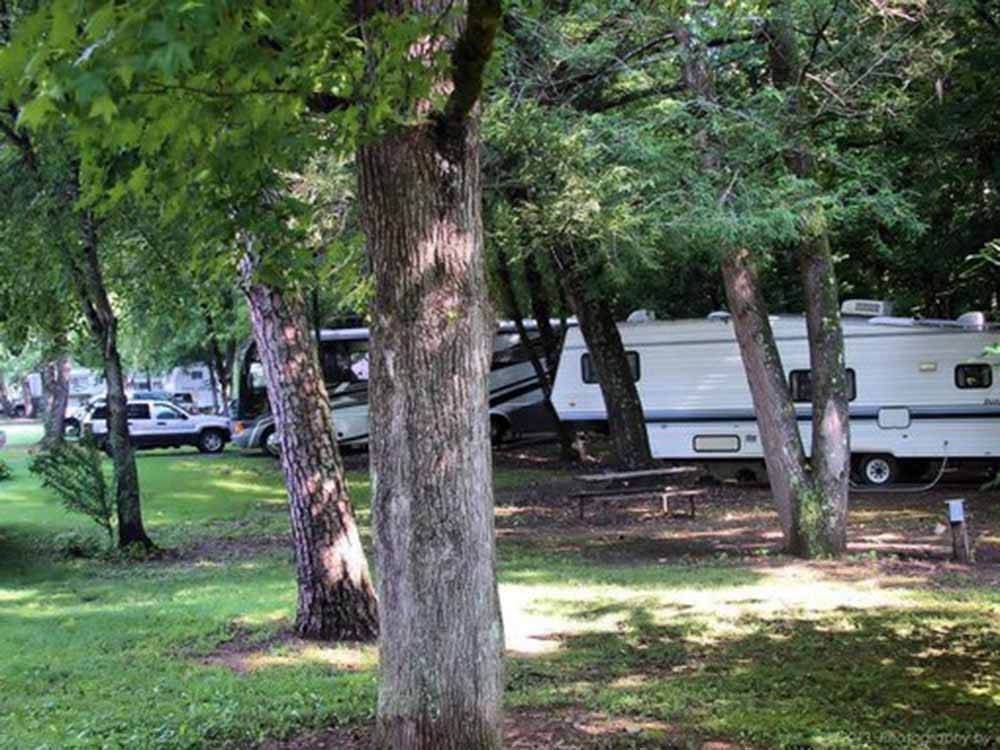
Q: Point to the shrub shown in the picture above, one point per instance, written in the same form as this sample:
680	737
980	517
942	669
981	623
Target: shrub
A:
77	544
73	471
5	472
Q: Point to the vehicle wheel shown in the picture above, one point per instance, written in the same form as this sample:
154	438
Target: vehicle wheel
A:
71	428
211	441
271	443
878	470
498	430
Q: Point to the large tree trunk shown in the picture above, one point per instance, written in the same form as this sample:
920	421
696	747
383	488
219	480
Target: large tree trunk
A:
568	448
55	389
336	600
626	421
103	325
441	651
442	638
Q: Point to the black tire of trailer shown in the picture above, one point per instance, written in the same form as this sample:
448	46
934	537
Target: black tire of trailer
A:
499	427
877	469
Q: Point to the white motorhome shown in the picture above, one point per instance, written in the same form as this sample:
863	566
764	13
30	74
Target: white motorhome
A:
516	401
919	389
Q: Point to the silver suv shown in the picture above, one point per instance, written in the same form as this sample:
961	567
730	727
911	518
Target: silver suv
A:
161	424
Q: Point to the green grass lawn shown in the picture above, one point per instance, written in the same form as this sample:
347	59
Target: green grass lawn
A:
756	652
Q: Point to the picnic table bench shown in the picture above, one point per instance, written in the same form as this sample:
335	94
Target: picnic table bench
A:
651	483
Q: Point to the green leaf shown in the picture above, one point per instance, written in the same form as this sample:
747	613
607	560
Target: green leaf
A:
35	112
103	107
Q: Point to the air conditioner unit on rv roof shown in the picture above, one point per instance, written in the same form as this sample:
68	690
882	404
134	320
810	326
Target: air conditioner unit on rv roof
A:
868	308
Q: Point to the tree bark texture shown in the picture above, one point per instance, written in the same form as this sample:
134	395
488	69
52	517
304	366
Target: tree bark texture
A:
772	401
626	421
103	324
336	599
55	389
442	635
824	524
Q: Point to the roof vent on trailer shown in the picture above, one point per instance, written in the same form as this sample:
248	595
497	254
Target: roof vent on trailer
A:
721	315
867	308
641	316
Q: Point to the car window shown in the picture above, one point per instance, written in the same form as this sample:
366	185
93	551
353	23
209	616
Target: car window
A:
138	411
167	412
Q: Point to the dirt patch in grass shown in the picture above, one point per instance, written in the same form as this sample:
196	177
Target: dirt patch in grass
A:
890	535
558	729
248	649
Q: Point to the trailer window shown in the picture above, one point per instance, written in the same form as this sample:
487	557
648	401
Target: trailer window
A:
345	361
974	376
590	374
800	383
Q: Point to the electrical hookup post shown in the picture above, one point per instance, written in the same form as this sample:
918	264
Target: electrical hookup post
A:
960	551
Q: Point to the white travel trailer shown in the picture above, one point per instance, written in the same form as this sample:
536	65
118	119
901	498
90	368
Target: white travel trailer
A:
194	379
516	401
920	389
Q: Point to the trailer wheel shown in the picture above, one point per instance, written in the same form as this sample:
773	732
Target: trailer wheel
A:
878	470
498	429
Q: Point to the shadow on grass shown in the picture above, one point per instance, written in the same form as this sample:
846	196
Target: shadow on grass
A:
889	678
520	566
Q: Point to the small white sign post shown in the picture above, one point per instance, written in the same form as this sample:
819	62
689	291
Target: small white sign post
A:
960	551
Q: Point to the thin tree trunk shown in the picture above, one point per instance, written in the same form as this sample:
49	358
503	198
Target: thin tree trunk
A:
568	447
576	450
626	421
535	284
6	407
811	496
55	389
772	401
336	600
824	525
103	326
27	397
213	381
823	522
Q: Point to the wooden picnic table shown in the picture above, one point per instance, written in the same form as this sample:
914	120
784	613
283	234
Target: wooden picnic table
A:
617	484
